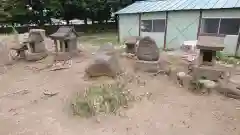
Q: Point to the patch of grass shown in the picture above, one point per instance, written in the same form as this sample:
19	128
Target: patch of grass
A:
227	59
103	99
97	39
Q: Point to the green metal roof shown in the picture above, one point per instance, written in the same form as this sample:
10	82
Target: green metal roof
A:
174	5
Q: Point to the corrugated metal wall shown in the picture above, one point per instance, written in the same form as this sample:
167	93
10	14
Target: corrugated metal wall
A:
230	41
182	25
128	26
221	13
157	36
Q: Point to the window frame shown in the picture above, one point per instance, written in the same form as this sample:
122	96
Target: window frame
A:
152	25
218	34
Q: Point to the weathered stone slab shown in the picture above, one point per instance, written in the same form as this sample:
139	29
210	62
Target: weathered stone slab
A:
229	90
147	50
208	84
147	66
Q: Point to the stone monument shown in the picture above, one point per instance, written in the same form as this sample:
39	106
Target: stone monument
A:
147	50
148	55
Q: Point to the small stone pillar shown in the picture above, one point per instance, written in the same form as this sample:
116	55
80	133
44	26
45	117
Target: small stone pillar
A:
131	43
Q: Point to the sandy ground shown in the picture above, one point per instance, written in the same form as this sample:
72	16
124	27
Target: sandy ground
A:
170	110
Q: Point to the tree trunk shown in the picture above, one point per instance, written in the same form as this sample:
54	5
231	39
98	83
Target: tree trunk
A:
85	21
67	22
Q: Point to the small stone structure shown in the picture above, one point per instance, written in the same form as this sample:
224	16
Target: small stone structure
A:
205	67
207	54
65	39
36	41
131	44
105	63
148	55
32	48
36	45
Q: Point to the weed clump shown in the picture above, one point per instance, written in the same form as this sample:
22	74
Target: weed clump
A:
103	99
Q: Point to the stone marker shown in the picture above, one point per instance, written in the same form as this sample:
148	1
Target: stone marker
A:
147	50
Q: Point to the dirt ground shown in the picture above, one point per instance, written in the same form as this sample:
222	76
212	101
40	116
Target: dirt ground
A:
170	110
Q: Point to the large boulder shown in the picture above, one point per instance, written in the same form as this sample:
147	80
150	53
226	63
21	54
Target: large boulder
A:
107	49
147	50
105	63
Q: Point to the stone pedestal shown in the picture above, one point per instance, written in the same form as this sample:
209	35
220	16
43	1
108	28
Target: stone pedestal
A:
36	56
207	72
147	66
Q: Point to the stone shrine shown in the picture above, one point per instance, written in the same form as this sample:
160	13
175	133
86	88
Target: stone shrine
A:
36	45
36	41
65	39
206	67
207	54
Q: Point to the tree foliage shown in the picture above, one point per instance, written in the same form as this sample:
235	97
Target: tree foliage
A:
40	11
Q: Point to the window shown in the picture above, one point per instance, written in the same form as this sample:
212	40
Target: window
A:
229	26
210	25
157	25
66	46
146	25
220	26
32	46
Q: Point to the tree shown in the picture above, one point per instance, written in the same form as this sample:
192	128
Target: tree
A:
4	15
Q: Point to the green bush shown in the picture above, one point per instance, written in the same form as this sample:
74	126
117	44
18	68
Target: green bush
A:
100	99
227	59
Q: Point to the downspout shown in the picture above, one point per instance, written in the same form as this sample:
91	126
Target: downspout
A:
199	24
238	43
118	27
165	31
139	23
